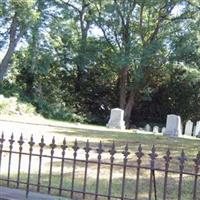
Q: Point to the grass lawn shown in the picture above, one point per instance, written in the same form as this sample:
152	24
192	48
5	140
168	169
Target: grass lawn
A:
95	134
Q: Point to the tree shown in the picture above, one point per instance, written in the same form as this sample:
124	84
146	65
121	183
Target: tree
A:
18	16
79	14
143	57
139	32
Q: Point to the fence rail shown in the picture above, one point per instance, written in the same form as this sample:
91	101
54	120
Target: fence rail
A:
35	155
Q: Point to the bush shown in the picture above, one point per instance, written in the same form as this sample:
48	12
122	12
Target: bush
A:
57	111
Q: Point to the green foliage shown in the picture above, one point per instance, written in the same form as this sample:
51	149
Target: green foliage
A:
25	11
179	94
68	72
57	111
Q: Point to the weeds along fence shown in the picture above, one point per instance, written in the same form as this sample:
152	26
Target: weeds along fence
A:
97	173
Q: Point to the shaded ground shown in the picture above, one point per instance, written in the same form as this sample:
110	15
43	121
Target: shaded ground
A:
49	128
39	127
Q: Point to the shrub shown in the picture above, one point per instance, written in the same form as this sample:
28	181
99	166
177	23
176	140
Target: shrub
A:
57	111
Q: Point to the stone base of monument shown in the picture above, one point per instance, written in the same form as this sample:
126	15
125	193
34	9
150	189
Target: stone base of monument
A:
115	125
116	119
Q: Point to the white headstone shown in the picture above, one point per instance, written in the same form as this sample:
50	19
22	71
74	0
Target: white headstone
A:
1	97
173	125
116	119
188	128
147	128
155	129
197	129
163	130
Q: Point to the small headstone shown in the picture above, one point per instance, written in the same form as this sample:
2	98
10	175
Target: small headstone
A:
116	119
188	128
155	129
197	129
147	128
193	132
163	130
173	125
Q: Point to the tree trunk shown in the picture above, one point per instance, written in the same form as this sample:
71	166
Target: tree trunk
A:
84	25
6	60
129	108
123	87
78	79
14	38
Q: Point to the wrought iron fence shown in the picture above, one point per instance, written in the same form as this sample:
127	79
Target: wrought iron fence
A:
93	157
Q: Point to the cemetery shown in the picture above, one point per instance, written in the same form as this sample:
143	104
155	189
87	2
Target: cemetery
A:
174	126
99	99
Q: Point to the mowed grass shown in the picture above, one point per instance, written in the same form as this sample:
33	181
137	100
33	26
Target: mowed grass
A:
94	135
133	139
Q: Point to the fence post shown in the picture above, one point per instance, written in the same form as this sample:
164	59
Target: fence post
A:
153	156
31	143
139	155
53	146
167	159
125	154
1	148
20	142
63	147
182	160
10	157
41	145
75	148
87	150
197	166
99	151
112	152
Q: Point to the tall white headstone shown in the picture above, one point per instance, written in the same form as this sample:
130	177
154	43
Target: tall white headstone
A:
197	129
147	128
116	119
173	125
188	128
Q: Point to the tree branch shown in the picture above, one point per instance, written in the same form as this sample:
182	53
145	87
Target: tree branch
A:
102	29
161	18
71	5
141	23
117	40
120	13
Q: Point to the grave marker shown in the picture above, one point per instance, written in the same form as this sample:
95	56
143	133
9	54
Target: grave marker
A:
173	125
163	130
116	119
147	128
155	129
197	129
188	128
